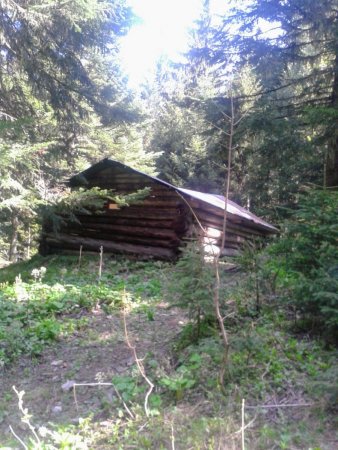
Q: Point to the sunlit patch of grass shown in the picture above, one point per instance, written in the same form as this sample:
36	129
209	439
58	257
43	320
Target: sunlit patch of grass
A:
35	294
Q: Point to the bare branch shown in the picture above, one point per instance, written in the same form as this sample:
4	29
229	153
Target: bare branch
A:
24	411
286	405
18	438
218	128
139	363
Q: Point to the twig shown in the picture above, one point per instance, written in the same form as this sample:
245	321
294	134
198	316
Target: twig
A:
18	438
80	256
24	411
218	128
286	405
172	437
216	260
139	364
192	212
266	370
243	423
246	426
101	261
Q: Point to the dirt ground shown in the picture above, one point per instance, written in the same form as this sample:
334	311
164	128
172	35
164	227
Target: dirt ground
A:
94	354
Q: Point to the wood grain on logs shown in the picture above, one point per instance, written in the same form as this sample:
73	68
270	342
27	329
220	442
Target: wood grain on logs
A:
74	242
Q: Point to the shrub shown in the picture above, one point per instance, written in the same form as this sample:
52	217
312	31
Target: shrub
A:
304	259
192	286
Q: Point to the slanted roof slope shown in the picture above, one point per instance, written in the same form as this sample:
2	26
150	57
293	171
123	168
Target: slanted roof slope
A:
216	201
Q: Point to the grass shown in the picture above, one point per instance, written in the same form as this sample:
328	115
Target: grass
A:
38	308
269	365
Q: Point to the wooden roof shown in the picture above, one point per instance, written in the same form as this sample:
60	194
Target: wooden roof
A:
212	200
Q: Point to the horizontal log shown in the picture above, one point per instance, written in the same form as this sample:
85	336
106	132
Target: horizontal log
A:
231	242
158	214
165	203
74	242
165	233
151	241
140	212
231	252
247	223
175	224
217	221
217	234
214	250
227	244
230	231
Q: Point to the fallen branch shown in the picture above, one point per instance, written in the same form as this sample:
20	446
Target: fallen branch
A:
283	405
139	364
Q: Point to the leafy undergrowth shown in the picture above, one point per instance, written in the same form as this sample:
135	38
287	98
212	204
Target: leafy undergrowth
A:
63	325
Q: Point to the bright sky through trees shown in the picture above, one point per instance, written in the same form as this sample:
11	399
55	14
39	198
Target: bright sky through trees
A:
163	31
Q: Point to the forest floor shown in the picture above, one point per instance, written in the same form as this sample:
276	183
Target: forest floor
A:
96	353
77	336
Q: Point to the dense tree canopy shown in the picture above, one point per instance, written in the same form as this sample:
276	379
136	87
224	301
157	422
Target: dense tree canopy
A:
62	96
278	61
296	59
61	53
64	102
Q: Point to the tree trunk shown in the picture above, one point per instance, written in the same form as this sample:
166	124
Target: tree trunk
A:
331	164
13	248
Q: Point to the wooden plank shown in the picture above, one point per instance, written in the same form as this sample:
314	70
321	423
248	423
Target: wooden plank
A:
153	242
145	213
140	213
229	239
248	224
151	223
162	203
164	233
217	221
74	242
214	250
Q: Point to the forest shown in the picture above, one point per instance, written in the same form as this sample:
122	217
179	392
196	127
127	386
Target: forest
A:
102	352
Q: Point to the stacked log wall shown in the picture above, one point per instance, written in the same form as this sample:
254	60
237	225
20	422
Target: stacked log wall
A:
153	227
238	230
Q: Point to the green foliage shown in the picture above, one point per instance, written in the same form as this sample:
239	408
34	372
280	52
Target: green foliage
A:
268	364
192	288
60	56
251	263
184	378
61	85
47	438
38	298
304	260
85	201
128	387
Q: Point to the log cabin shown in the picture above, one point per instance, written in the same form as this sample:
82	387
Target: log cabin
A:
155	227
